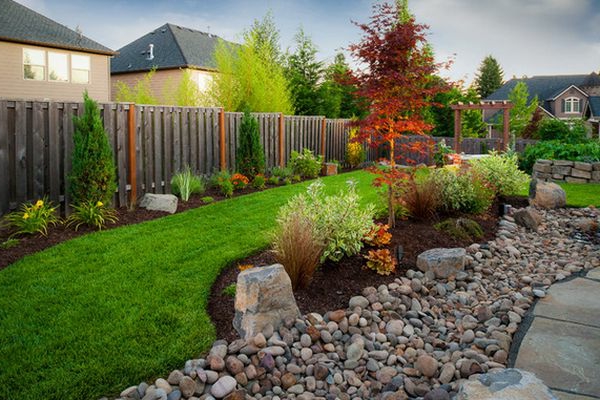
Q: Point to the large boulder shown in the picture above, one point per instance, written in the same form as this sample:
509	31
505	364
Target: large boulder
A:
508	384
443	262
528	217
159	202
547	195
263	296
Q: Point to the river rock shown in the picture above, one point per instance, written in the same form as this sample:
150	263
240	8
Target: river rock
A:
159	202
443	262
548	195
528	218
506	384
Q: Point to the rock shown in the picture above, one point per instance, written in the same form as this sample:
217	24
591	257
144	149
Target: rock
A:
358	301
443	262
130	392
164	385
337	315
223	387
548	195
395	327
447	373
263	296
506	384
321	372
528	218
159	202
427	365
234	365
187	386
355	350
174	395
437	394
288	380
237	395
175	377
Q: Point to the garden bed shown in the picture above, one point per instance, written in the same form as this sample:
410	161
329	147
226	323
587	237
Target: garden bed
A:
335	283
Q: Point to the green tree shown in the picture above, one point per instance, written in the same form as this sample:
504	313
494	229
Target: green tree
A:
522	111
92	176
489	78
250	155
304	73
442	116
338	92
140	93
263	36
186	93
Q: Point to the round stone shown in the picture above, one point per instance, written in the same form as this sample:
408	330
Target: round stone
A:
223	387
427	365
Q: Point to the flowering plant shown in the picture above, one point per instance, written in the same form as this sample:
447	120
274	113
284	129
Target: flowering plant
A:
33	218
378	236
239	181
92	214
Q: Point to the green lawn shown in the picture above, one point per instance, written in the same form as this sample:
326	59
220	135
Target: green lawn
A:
99	313
578	195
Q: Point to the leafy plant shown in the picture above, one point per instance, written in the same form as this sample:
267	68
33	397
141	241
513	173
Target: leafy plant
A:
287	181
230	290
92	176
460	228
567	132
298	244
185	183
218	177
250	157
33	218
378	236
296	178
281	173
462	191
420	199
440	157
259	182
95	215
227	188
239	181
502	172
306	164
273	180
9	243
355	152
381	261
556	150
207	199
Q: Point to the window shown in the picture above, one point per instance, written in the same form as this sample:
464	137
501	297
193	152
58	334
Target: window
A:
571	105
34	64
80	69
58	68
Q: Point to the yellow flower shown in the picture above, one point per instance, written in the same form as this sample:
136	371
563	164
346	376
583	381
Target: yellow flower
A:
26	215
99	204
39	203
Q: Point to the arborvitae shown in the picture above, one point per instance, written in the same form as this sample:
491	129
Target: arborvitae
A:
489	78
92	177
250	156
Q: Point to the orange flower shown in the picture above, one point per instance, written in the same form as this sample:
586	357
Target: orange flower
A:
243	267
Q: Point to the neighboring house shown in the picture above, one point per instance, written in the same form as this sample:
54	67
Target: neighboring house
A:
561	96
170	49
44	60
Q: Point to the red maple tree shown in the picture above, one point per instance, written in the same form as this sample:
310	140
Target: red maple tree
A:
397	77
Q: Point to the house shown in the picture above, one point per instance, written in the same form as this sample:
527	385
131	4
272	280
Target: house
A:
44	60
560	96
170	50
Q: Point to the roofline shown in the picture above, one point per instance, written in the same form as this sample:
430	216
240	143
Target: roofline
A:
547	112
166	69
59	46
572	86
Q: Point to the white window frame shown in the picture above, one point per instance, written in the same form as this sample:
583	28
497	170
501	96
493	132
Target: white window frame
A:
44	66
89	70
570	103
68	67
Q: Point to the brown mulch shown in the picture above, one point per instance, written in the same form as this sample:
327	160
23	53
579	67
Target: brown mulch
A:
335	283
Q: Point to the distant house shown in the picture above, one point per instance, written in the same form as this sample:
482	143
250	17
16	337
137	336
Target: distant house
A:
560	96
44	60
170	50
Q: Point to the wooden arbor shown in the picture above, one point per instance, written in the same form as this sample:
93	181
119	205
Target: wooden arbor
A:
505	106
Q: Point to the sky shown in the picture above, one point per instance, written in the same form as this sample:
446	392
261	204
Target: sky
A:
527	37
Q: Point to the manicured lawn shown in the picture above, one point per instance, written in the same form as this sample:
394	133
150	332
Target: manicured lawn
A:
578	195
94	315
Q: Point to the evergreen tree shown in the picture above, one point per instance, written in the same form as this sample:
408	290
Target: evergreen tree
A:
92	177
489	78
263	36
304	72
250	157
522	111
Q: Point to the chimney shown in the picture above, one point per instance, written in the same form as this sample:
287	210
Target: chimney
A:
150	52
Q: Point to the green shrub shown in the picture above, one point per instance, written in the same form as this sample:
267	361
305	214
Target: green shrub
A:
92	176
287	181
273	180
207	199
337	219
355	152
281	173
502	172
33	218
250	157
588	151
227	188
296	178
441	152
306	164
218	177
185	183
230	290
462	191
567	132
460	228
95	215
259	182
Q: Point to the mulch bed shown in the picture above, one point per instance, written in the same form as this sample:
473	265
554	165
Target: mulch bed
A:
335	283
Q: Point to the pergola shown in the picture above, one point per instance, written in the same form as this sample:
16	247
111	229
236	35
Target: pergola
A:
505	106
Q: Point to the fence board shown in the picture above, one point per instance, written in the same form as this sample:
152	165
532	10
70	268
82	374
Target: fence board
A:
158	147
54	133
67	145
167	147
4	158
193	162
20	152
122	135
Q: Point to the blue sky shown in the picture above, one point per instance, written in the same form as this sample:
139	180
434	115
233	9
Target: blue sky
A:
528	37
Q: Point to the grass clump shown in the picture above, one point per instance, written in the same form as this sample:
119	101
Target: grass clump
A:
185	183
230	290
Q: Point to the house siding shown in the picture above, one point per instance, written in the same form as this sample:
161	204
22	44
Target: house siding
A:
14	86
557	104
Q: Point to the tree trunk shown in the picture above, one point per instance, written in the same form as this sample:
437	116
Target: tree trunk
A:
391	211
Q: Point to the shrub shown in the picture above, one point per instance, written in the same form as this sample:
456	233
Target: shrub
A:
250	156
440	156
567	132
306	164
281	173
230	290
33	218
297	244
296	178
95	215
259	182
273	180
355	152
218	177
92	176
338	219
381	261
226	188
460	228
207	199
420	199
502	171
185	183
378	236
239	181
462	191
588	151
287	181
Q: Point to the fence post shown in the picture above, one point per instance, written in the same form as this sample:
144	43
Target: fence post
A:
457	129
281	139
132	156
323	134
222	159
505	122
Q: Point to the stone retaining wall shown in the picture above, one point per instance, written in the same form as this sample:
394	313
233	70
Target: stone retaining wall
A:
567	171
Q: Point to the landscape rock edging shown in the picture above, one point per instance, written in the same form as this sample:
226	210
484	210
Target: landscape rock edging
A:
566	171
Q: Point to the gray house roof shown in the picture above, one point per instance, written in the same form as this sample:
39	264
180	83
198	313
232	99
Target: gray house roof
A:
595	105
23	25
173	47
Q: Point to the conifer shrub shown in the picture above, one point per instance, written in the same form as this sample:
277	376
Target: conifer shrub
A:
250	155
93	174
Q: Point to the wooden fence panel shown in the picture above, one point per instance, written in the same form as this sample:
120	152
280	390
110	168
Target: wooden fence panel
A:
4	157
158	144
